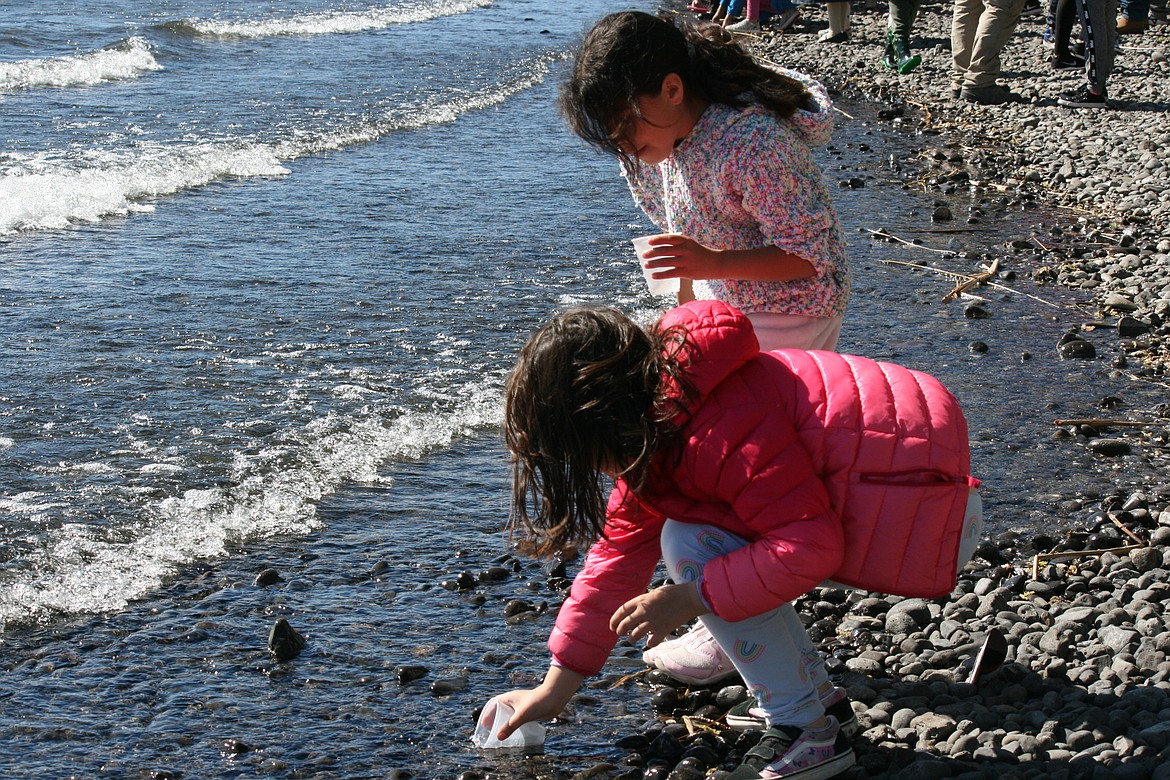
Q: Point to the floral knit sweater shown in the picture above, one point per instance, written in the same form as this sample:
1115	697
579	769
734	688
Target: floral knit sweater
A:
745	179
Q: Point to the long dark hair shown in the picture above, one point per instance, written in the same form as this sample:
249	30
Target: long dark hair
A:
628	54
591	391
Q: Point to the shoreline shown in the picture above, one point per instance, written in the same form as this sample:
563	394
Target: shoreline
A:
1084	690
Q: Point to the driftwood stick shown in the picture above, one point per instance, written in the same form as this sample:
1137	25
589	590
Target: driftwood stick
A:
1100	423
943	271
973	281
1054	556
1121	527
955	274
947	230
884	234
633	676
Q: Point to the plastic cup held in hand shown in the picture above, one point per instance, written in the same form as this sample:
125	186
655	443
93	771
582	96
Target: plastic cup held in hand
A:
657	286
495	714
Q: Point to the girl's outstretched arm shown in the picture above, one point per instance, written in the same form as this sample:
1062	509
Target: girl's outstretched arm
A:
686	258
543	702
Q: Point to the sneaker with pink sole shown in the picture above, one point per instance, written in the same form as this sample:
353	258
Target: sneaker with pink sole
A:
694	658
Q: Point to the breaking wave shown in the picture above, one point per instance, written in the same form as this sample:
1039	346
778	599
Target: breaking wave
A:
128	60
54	191
326	23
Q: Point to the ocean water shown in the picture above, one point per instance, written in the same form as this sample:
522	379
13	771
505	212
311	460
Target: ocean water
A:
264	267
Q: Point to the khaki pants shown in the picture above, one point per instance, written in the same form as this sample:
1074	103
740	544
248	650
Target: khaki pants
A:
979	31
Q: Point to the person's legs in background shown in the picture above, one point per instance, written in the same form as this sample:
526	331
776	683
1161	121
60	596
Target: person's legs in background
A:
979	32
838	29
1134	17
898	56
1063	19
1099	21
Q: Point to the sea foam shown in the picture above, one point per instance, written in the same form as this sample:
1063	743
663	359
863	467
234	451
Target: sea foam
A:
84	570
54	190
129	59
330	22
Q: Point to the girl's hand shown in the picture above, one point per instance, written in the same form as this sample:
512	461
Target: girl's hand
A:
680	257
655	614
544	702
675	256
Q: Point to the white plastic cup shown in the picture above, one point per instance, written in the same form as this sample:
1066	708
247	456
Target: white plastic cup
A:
657	286
495	714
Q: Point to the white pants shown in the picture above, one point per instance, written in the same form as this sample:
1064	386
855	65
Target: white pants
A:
791	331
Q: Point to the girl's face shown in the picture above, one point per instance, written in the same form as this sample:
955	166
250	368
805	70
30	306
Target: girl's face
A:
665	119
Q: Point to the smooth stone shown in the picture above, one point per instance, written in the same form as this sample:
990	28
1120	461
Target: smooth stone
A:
284	641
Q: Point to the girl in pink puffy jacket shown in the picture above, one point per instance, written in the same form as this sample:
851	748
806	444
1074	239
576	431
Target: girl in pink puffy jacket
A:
727	463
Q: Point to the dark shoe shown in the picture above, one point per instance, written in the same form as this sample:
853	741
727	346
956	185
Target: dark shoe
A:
1031	7
790	753
991	656
1082	97
828	36
1071	62
898	56
1127	26
747	716
988	96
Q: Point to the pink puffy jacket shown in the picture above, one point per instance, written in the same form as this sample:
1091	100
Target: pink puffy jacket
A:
768	452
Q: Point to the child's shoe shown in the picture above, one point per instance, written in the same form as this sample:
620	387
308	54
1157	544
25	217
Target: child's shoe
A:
797	754
744	25
694	658
748	715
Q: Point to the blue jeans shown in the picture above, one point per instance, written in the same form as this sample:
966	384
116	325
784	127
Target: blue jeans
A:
1136	10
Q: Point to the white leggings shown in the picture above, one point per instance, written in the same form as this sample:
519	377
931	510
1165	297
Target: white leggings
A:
772	651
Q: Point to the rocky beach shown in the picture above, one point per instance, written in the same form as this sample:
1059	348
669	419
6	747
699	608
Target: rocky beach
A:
1083	690
255	492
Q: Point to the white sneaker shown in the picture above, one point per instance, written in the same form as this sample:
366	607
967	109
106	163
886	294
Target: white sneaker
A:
747	25
694	658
